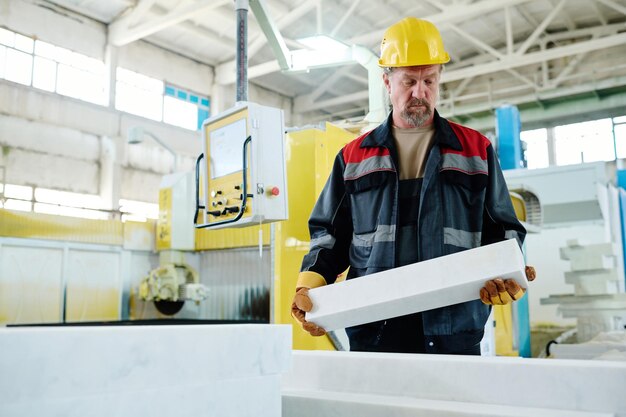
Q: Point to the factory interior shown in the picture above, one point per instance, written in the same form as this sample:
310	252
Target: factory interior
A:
159	163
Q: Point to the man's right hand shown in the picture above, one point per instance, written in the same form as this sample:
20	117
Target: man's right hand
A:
300	305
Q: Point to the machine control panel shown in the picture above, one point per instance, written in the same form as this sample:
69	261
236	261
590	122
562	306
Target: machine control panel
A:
243	151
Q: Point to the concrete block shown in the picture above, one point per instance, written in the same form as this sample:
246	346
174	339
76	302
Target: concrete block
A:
589	257
592	282
422	286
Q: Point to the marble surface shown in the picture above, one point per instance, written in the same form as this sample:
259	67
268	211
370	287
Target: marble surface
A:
338	404
199	370
552	384
417	287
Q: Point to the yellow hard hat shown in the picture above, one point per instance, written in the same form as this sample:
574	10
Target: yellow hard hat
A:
410	42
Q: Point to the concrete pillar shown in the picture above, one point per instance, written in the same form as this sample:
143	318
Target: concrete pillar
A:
110	174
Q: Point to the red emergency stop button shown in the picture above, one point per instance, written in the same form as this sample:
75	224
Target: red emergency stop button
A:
275	191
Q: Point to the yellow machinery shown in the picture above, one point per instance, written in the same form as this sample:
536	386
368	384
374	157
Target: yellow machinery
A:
310	156
241	183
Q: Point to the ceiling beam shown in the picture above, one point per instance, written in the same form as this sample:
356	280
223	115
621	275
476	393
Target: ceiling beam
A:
508	27
601	17
272	33
539	30
454	13
121	33
510	62
522	78
529	98
281	22
529	18
482	45
328	82
613	5
255	46
461	87
565	111
335	101
567	70
345	17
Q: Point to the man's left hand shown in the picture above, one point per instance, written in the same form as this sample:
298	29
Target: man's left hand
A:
504	291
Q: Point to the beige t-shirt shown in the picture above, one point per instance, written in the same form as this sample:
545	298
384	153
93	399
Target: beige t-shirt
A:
413	145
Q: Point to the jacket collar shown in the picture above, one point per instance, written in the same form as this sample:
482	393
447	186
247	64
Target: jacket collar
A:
382	136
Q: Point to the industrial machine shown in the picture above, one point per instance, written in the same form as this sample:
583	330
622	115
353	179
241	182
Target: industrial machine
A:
243	174
173	282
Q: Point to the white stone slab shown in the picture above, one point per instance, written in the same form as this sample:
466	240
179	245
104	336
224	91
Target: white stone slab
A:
584	350
343	404
422	286
239	397
590	386
102	370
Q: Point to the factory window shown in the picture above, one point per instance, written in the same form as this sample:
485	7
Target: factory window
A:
42	200
138	211
52	68
16	197
139	94
70	211
66	198
536	148
65	203
151	98
20	192
184	108
48	67
584	142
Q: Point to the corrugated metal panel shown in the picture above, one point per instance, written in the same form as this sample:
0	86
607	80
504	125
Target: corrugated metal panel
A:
239	282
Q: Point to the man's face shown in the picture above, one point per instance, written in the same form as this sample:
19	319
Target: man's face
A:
413	92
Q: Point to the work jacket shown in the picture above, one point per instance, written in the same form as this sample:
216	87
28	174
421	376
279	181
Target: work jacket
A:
464	203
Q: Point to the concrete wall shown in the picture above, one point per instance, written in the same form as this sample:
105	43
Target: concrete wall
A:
53	141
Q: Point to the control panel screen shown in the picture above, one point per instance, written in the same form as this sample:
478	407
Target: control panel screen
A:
226	148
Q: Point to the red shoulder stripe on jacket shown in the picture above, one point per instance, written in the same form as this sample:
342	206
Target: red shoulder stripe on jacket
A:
353	153
473	142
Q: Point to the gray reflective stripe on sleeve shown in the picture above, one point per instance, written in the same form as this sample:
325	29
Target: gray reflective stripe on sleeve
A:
375	163
384	233
512	234
461	238
325	241
470	165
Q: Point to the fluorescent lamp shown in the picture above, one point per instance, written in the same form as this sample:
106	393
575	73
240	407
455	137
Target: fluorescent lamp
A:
324	51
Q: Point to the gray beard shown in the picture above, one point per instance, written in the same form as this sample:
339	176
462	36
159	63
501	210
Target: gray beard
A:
417	118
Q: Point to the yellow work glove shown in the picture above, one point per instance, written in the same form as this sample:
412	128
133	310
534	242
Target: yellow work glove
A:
498	291
302	303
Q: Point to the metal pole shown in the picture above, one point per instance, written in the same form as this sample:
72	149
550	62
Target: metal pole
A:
241	7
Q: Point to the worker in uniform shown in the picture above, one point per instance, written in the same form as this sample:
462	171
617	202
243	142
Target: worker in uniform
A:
415	188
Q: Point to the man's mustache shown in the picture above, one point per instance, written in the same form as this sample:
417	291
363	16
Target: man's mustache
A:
418	102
